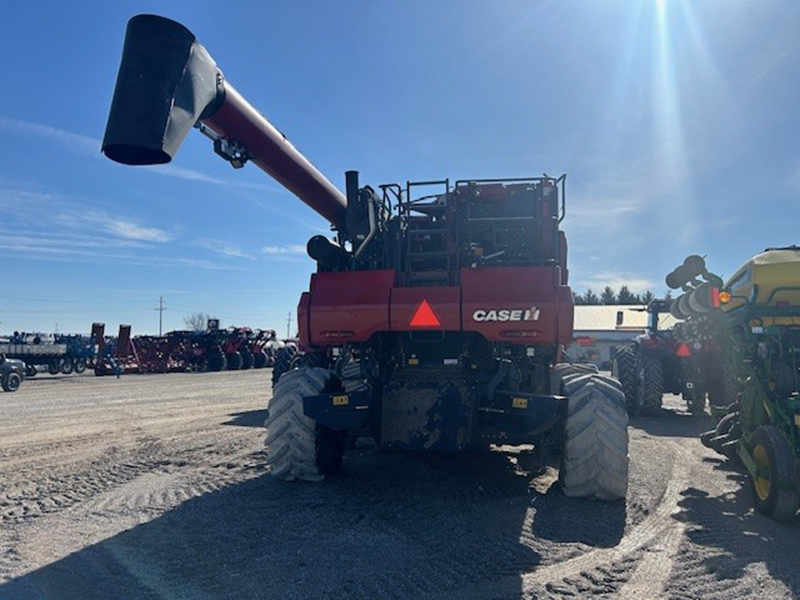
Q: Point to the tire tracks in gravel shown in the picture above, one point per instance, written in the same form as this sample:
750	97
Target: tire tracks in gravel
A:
651	544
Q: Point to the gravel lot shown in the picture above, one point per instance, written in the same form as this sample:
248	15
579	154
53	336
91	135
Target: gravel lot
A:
153	487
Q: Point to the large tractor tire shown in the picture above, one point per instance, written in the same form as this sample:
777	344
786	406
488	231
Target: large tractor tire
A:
283	362
79	365
595	458
775	483
259	360
650	384
723	390
216	361
623	368
11	382
297	447
234	361
247	359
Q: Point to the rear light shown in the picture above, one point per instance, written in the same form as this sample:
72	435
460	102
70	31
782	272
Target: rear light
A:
724	297
684	351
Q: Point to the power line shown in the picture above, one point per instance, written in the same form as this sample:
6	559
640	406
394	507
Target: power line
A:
161	308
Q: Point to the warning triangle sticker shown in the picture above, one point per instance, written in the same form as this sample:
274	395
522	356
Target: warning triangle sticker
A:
425	317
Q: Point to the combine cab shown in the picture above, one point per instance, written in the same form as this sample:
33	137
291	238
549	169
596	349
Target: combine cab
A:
437	314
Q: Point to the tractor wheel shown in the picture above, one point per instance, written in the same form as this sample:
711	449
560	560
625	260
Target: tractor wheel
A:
283	362
79	365
297	447
12	381
650	384
54	366
67	366
234	361
775	488
723	390
247	359
259	360
216	361
595	459
623	367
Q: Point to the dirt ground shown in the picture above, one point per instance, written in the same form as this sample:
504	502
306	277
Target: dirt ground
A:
153	487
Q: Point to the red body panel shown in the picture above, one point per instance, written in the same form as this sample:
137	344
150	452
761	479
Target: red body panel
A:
345	307
536	292
530	306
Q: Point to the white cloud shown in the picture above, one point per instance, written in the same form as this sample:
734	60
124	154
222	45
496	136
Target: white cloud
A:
284	250
131	231
224	248
89	146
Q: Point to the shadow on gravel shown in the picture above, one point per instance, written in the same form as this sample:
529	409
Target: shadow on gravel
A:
673	424
403	526
250	418
562	519
733	536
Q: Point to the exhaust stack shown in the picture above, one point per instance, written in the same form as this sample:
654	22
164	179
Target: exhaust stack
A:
169	83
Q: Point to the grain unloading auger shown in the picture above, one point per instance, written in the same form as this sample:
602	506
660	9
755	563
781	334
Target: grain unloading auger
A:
436	317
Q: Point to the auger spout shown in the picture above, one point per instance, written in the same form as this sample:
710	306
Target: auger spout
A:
168	83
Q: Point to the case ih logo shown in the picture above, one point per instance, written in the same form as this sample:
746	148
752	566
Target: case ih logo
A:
517	314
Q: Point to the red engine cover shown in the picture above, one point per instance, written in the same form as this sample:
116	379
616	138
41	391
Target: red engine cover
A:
522	305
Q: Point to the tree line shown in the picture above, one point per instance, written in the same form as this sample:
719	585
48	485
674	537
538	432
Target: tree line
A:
609	296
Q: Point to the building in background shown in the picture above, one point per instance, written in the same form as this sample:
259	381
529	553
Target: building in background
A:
599	329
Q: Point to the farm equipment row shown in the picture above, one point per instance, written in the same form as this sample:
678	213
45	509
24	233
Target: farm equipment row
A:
177	351
231	349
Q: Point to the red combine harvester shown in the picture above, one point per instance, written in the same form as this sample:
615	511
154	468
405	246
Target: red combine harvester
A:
437	315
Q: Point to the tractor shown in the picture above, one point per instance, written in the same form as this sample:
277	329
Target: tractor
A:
745	337
654	364
437	315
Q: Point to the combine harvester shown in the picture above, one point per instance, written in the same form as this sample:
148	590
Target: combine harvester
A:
744	338
437	316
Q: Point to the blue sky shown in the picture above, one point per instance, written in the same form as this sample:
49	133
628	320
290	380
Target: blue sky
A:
676	120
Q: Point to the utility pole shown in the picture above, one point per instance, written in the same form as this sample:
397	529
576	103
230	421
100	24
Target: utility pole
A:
289	325
161	308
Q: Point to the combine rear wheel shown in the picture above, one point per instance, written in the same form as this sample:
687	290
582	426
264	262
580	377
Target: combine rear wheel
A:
297	447
650	384
623	367
595	459
283	362
774	484
67	367
54	366
79	365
